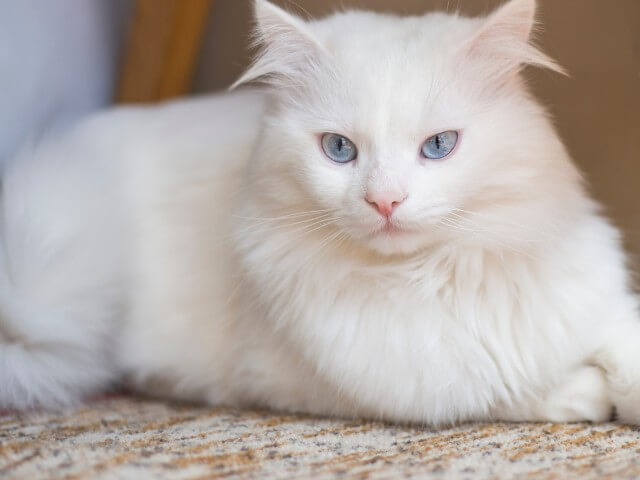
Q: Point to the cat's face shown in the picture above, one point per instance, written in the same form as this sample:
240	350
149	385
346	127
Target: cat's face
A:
405	131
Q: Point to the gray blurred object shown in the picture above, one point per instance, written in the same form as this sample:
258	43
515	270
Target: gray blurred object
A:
58	60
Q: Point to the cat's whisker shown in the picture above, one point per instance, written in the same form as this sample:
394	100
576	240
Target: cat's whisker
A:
330	241
494	232
333	243
276	225
272	227
504	222
280	217
298	235
463	221
325	242
302	226
453	226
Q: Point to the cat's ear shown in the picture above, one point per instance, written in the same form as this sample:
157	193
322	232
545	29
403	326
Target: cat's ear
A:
504	41
287	48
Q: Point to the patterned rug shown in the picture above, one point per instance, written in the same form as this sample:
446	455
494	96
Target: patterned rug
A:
138	439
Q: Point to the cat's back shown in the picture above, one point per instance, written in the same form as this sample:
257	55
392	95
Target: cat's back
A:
212	121
106	164
188	175
174	147
101	153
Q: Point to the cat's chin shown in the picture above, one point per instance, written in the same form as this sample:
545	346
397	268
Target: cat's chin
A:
396	242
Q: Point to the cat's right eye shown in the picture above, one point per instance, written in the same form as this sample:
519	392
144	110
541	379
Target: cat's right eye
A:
440	145
338	148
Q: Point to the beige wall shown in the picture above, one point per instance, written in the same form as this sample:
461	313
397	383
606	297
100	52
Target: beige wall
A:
597	110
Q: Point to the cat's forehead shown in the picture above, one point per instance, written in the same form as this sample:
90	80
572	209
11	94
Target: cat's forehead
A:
370	35
393	71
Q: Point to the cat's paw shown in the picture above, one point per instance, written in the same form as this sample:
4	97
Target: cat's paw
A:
582	397
621	362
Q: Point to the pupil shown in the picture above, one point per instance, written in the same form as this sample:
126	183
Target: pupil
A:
438	142
340	144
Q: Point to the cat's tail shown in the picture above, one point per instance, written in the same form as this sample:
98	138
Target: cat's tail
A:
55	294
44	360
52	346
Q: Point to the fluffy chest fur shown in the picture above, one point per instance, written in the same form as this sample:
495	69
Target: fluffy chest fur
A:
447	334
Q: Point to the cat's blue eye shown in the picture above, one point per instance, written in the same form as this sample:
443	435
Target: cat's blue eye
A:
440	145
338	148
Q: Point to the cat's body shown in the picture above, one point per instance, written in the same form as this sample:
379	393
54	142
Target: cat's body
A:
218	256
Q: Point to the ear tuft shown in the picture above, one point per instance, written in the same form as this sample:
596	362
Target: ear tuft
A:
505	39
287	47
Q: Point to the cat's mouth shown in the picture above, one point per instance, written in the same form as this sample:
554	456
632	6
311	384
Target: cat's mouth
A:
391	229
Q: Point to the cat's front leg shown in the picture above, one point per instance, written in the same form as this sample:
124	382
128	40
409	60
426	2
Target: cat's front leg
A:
583	396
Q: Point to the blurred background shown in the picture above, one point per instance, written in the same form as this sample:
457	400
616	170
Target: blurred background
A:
62	59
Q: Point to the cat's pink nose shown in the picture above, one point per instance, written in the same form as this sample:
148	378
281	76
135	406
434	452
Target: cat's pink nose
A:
385	202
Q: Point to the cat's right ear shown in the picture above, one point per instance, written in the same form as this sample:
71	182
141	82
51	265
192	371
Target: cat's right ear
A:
503	43
288	50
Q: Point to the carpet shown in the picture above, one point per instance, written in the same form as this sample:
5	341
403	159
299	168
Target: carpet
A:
139	438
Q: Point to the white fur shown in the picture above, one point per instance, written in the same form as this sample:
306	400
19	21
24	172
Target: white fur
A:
217	254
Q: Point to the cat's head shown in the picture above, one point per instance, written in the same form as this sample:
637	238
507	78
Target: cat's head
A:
405	131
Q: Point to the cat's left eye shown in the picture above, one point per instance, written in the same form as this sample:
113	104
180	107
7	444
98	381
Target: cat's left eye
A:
338	148
440	145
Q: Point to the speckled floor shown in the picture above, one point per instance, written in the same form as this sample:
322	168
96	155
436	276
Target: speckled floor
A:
136	438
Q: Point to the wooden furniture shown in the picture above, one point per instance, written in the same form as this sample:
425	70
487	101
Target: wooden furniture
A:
162	49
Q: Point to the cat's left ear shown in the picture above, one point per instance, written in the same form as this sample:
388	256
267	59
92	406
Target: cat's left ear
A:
288	48
504	40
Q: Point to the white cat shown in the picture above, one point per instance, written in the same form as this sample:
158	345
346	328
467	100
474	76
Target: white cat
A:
392	230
